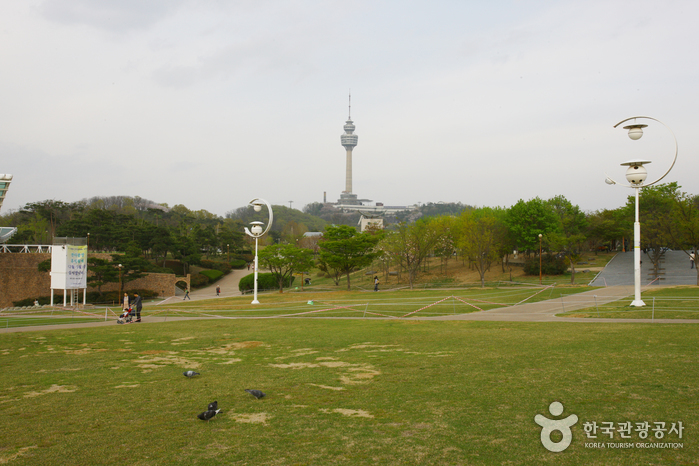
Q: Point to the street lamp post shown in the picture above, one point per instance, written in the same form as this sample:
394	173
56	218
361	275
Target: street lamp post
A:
636	174
228	247
540	235
256	232
121	288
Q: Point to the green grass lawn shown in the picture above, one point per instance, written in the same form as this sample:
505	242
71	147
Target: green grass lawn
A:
342	392
385	304
679	302
368	304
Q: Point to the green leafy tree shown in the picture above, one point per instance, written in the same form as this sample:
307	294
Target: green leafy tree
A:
570	238
685	227
656	212
102	272
344	250
283	259
481	236
527	220
410	245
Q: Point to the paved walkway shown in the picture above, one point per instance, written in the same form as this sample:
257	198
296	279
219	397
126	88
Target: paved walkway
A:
674	270
228	284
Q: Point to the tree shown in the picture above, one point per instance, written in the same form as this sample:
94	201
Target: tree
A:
606	227
570	238
656	217
343	250
685	227
445	245
481	235
410	245
103	272
527	220
132	268
283	259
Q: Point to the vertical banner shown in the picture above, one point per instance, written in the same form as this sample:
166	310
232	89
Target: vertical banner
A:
76	270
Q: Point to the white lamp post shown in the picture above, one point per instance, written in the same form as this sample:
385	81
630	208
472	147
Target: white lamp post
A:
256	232
636	174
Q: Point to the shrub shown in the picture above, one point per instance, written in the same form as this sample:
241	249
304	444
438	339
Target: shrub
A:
93	297
238	264
212	275
198	280
550	265
222	266
265	281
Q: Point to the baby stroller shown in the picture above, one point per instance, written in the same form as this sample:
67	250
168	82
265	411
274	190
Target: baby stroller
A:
126	317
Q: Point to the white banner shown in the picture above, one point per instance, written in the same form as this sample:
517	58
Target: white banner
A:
76	267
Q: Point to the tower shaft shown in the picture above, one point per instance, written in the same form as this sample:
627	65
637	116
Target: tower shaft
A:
348	172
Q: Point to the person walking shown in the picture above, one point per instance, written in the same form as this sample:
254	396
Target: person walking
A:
376	283
218	291
139	305
126	304
186	295
691	261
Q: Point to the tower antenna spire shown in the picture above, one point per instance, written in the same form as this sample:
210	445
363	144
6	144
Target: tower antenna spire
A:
350	105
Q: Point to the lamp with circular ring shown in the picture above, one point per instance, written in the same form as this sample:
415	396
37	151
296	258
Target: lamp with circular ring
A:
257	232
636	175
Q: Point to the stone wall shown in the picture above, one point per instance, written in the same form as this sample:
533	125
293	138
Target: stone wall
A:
21	279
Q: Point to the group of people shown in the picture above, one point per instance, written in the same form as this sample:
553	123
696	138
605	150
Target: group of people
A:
128	307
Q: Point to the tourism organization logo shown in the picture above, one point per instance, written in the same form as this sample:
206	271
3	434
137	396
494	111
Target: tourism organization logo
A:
655	431
549	426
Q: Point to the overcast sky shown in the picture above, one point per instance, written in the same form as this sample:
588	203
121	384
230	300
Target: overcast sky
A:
213	103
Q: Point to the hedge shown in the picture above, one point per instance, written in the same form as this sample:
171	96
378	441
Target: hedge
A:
550	265
212	275
265	281
93	297
238	264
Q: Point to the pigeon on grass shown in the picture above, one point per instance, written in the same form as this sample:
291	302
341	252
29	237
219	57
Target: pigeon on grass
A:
206	415
190	374
211	411
256	393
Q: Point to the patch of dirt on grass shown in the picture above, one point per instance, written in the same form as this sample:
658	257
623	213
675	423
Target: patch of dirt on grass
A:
158	362
14	456
52	389
230	361
62	369
372	346
128	386
298	352
359	375
229	348
155	351
256	418
355	373
326	386
295	365
350	412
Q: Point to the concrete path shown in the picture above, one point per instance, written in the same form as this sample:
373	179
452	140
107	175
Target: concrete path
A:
228	284
674	270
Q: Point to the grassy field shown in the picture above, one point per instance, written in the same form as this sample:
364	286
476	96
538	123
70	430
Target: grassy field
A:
678	302
313	303
343	392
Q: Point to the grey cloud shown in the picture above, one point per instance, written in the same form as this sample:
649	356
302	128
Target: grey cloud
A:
115	16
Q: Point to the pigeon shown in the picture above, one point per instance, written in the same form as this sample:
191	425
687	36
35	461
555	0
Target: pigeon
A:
206	415
190	373
256	393
213	406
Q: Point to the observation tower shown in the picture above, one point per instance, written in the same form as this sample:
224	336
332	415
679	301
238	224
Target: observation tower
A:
349	142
